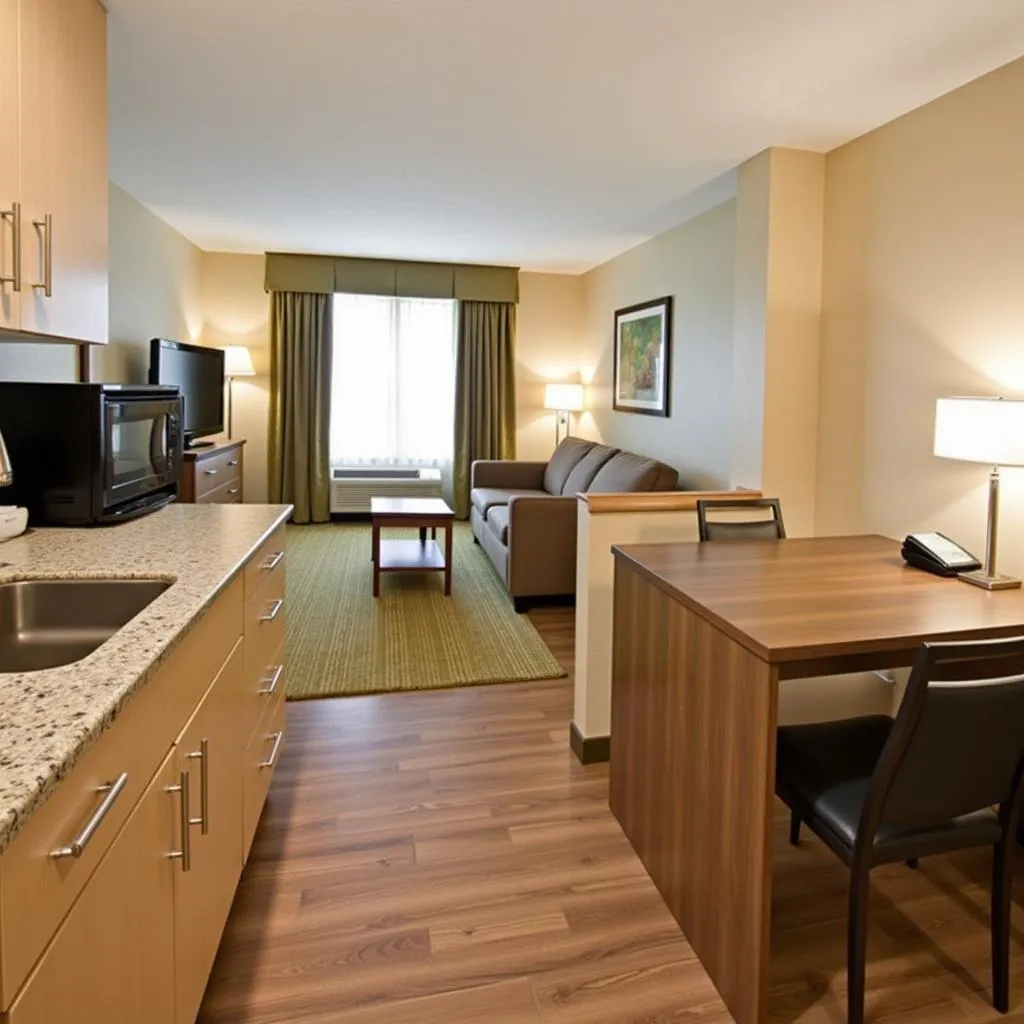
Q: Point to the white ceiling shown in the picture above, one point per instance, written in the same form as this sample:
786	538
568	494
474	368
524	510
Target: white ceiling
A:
551	134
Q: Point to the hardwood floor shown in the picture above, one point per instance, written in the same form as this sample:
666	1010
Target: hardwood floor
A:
441	856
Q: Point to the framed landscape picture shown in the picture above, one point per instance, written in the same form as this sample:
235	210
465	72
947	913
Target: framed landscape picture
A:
643	347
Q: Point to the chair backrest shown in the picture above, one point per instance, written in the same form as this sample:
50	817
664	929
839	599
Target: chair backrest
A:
737	529
958	742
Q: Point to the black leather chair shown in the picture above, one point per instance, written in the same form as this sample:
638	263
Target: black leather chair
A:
755	529
878	790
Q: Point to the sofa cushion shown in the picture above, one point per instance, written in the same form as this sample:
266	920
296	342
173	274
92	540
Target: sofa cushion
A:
497	520
629	472
562	462
586	469
482	498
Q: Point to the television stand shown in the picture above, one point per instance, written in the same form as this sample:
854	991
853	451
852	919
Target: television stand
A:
213	473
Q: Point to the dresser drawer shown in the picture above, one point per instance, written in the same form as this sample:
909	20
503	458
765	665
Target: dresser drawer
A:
261	760
227	493
265	615
268	561
214	471
38	888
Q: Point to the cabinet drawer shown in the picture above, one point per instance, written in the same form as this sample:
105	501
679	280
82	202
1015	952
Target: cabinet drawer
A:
38	889
264	624
265	680
215	471
268	561
112	961
227	493
261	762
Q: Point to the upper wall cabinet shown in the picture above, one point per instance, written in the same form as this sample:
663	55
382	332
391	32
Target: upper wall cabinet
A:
53	167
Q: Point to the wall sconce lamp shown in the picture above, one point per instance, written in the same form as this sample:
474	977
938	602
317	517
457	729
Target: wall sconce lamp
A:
237	363
563	399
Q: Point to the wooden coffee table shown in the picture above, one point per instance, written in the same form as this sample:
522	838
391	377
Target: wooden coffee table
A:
423	555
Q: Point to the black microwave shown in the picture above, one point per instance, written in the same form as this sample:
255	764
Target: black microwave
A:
89	454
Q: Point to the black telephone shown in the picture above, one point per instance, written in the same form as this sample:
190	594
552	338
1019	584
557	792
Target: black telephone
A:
935	552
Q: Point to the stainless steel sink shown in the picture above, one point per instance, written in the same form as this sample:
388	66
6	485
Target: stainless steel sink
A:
46	623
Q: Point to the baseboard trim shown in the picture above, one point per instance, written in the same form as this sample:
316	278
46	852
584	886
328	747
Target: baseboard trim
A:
589	749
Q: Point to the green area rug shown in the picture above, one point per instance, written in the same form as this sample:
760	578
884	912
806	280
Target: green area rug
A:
342	641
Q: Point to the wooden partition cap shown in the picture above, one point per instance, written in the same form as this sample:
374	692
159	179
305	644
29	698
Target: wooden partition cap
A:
659	501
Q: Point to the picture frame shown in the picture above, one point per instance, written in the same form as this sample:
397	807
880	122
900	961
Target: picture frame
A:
643	356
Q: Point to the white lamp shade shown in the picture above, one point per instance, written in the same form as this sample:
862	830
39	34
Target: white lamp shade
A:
238	362
563	397
989	430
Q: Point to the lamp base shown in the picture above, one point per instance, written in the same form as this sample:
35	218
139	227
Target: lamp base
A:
978	578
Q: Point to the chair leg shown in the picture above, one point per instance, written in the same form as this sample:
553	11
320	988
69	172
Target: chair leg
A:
794	829
1002	887
857	943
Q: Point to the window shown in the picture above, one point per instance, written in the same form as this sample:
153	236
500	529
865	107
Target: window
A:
393	381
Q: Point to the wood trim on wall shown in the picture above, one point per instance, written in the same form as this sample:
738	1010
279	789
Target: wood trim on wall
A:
589	749
659	501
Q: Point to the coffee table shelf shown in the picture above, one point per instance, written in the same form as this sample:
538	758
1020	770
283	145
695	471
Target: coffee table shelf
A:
410	556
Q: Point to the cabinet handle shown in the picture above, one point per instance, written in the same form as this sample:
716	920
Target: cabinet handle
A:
202	755
273	611
270	681
276	737
271	563
210	472
45	228
233	462
14	216
81	841
185	853
232	490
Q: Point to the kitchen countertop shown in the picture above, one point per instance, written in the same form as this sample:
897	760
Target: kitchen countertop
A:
49	718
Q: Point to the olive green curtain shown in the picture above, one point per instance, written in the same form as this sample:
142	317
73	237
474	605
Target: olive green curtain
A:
485	391
300	402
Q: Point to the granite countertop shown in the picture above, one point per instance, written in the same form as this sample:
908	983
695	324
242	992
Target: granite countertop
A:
49	718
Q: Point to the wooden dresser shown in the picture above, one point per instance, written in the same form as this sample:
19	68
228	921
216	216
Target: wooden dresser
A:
213	475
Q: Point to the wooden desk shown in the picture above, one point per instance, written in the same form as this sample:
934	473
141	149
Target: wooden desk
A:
703	633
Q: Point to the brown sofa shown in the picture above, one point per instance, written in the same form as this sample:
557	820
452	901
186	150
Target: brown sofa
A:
523	514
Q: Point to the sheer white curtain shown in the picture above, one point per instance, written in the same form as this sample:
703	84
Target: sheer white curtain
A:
393	385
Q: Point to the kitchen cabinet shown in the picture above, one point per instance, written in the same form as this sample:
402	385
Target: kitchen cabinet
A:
112	959
211	751
54	168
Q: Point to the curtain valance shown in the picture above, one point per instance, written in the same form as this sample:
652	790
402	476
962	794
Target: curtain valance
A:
291	272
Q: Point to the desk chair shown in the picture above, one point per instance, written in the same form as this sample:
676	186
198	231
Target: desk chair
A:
731	529
877	790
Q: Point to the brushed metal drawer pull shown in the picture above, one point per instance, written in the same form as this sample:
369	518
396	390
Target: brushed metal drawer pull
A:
185	853
273	611
210	472
271	563
233	462
45	229
81	841
270	682
276	737
202	755
14	216
232	490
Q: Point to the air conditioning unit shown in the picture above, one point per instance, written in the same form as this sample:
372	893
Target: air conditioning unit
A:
352	487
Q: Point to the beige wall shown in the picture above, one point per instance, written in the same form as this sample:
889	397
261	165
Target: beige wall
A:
236	311
923	296
693	263
550	346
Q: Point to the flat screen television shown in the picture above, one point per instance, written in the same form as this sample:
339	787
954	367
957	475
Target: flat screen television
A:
199	374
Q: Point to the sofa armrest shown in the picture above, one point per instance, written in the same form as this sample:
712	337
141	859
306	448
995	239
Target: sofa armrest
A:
509	474
541	545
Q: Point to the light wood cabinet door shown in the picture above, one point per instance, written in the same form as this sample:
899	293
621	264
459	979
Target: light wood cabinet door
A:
112	959
211	749
10	160
64	177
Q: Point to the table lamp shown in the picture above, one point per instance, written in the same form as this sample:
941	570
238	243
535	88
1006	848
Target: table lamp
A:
989	430
563	399
237	363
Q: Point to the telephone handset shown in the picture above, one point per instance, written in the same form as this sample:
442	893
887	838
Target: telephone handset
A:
936	553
